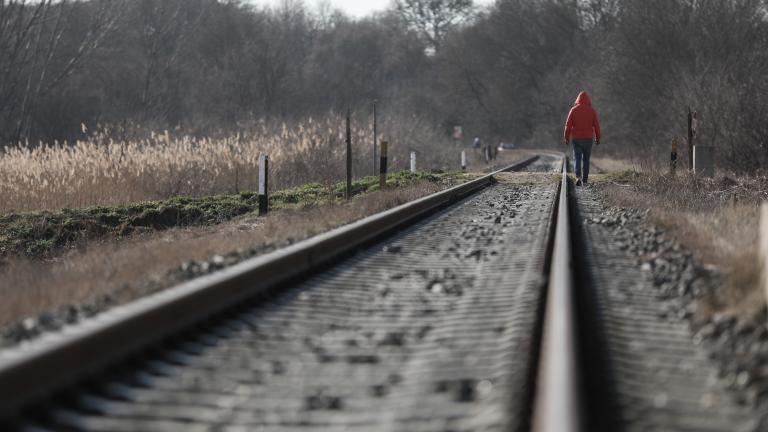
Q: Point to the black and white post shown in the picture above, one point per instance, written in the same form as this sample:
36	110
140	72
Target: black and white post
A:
463	160
383	165
263	184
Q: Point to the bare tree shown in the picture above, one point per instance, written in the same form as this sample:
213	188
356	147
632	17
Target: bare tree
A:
164	27
36	55
434	18
209	66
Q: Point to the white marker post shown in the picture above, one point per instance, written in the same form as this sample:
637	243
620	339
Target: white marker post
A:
413	162
263	186
463	160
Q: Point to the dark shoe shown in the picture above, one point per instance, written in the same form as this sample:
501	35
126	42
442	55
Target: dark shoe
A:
578	182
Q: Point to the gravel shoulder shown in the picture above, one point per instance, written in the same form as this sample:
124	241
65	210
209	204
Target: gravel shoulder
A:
667	367
41	297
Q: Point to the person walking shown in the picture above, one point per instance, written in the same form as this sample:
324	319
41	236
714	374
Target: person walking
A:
583	128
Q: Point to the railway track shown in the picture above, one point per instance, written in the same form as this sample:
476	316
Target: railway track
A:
457	312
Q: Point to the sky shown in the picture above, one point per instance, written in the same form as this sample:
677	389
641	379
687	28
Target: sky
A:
356	8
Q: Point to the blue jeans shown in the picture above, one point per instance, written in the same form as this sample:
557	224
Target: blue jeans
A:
581	151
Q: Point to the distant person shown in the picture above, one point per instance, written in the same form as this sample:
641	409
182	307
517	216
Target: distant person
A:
477	143
583	127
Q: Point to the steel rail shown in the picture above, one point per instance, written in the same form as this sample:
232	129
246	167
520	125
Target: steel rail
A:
556	405
44	366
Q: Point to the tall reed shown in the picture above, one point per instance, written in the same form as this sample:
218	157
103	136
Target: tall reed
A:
101	170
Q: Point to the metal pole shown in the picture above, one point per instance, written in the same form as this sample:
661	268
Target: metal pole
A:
349	156
263	184
383	165
375	137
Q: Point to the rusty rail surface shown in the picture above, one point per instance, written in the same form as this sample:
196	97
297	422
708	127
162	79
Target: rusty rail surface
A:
44	366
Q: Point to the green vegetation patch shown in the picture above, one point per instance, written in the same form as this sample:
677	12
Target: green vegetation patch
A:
315	193
46	233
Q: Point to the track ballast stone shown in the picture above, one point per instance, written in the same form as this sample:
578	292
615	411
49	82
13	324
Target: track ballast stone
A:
431	330
654	377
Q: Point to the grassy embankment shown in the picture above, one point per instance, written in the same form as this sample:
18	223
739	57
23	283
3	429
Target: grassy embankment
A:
108	266
44	234
716	219
119	216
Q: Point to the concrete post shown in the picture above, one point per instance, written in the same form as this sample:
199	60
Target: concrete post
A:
263	184
690	138
383	165
463	160
413	162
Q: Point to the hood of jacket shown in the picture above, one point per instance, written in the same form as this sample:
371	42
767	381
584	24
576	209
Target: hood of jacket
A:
583	99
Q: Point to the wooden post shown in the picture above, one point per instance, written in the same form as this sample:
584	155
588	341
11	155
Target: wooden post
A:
463	160
383	165
413	162
690	139
263	184
374	136
763	249
673	157
349	157
703	155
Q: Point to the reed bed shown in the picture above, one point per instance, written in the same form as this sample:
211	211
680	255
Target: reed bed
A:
101	170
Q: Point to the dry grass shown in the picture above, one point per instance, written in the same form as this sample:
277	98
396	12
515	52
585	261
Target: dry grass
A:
717	219
609	164
132	268
104	171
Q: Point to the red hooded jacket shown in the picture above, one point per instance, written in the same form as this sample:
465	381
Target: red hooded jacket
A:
582	120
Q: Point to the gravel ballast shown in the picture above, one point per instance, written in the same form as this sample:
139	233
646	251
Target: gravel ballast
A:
653	288
430	330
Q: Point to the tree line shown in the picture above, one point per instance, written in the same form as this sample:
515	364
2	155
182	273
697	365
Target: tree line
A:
507	72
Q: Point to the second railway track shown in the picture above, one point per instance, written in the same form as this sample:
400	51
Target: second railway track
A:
428	317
